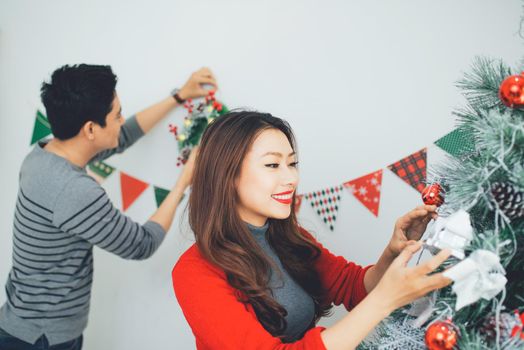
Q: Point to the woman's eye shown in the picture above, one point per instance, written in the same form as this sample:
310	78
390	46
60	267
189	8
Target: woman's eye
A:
294	164
272	165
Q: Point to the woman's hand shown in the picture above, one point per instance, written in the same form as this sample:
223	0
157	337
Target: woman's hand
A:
410	227
193	88
398	286
401	285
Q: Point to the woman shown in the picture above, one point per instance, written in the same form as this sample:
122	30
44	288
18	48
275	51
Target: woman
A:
254	279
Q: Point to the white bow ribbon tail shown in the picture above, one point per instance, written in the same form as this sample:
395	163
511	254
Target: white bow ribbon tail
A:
480	275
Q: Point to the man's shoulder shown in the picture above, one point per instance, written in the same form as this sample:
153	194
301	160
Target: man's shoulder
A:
44	177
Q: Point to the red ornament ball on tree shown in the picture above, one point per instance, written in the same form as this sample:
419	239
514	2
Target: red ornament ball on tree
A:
511	91
441	335
433	195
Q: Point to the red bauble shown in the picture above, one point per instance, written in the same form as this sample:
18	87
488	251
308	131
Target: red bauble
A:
511	91
433	194
441	335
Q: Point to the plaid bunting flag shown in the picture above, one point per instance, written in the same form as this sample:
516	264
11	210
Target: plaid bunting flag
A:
367	190
325	203
412	169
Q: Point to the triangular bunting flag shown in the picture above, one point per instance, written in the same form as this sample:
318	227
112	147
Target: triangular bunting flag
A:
160	195
131	189
298	202
367	190
412	169
41	128
458	143
325	203
101	169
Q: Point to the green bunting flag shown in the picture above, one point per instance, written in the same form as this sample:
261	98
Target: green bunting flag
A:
41	128
101	169
458	143
160	195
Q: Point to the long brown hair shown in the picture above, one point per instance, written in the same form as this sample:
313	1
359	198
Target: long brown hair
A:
225	240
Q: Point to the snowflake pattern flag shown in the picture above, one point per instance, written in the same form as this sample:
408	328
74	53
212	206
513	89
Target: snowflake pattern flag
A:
325	203
131	189
412	169
367	190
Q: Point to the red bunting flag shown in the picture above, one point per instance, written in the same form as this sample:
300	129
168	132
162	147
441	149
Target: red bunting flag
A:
367	190
131	189
412	169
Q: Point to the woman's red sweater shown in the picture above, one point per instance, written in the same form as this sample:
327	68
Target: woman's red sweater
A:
220	322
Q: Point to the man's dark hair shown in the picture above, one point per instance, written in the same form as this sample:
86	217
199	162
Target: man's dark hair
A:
78	94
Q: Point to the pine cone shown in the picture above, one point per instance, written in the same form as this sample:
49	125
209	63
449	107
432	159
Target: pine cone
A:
510	325
509	198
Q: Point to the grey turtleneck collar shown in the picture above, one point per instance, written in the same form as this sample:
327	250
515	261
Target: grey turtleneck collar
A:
298	304
258	230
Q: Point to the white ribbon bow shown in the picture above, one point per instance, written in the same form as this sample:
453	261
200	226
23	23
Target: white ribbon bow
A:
480	275
453	232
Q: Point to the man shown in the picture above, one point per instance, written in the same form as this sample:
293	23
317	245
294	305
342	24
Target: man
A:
61	212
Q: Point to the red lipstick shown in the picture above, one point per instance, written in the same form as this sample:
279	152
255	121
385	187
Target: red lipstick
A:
283	197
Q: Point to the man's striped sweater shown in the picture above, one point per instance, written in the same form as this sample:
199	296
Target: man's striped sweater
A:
60	213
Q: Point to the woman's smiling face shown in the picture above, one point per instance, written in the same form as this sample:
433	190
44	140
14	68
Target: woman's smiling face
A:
268	179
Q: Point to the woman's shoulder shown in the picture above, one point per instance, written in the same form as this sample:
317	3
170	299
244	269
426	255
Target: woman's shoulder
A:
192	263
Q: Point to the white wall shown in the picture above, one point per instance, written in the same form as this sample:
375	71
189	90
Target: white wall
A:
362	82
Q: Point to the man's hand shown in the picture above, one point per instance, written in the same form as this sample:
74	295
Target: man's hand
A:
193	87
186	177
410	227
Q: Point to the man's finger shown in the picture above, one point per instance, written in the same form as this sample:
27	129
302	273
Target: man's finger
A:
203	70
207	80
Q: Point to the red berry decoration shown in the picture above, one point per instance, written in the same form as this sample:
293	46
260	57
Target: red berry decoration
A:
441	335
210	96
433	194
173	129
511	91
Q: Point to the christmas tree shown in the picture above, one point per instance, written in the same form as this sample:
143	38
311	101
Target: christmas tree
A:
482	219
